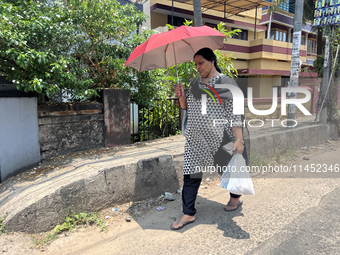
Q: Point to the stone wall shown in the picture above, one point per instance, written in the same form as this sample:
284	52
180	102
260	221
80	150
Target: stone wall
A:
67	128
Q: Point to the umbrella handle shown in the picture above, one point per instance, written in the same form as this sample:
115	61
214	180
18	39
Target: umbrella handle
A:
173	46
179	94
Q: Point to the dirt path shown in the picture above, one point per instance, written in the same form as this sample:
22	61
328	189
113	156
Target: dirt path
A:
266	221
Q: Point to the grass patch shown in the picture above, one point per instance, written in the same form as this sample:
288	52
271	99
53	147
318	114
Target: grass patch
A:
71	221
291	151
41	244
277	155
2	226
257	159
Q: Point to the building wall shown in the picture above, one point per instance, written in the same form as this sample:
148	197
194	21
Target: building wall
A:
158	20
255	83
261	35
262	48
146	10
19	140
240	64
271	64
267	83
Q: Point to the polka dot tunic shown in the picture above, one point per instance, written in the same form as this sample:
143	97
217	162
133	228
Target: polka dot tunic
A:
204	132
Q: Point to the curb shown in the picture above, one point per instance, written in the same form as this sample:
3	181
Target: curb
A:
90	187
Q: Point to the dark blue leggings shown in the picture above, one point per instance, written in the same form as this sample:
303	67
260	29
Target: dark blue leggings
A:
189	193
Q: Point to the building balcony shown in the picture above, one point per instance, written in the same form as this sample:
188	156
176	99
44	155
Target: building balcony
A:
262	48
264	57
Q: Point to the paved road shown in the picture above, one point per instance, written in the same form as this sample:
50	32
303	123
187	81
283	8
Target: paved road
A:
288	215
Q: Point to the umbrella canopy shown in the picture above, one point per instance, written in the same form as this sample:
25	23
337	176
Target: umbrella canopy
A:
173	47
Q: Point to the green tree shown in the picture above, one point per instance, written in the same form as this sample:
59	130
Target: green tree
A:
77	46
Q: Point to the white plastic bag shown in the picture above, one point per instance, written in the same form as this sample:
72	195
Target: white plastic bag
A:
226	174
237	179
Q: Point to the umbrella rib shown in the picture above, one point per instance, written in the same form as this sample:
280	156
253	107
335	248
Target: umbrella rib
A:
141	62
186	42
217	41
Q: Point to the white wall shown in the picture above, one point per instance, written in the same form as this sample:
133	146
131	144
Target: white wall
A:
19	135
146	10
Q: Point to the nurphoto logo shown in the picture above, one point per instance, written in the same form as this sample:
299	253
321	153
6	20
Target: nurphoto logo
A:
238	100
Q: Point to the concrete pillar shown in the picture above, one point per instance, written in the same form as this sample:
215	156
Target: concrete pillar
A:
306	39
116	117
289	34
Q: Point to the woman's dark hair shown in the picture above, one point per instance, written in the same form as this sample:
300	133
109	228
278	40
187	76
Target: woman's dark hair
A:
209	55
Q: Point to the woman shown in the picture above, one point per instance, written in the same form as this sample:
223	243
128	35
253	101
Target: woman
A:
204	140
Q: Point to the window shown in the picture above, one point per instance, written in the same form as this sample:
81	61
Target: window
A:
292	6
302	40
311	46
210	25
241	36
278	35
284	5
178	21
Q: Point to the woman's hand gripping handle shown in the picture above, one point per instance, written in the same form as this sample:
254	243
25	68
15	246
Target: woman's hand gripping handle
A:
179	91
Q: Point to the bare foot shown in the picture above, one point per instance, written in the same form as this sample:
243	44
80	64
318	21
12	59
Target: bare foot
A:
184	218
232	207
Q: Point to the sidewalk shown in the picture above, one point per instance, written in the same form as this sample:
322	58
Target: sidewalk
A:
39	199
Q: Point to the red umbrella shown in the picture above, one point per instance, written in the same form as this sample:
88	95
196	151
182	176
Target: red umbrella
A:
173	47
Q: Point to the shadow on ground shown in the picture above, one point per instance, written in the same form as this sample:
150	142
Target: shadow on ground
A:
208	213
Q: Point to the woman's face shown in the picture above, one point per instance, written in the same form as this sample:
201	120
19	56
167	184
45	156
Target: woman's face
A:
203	66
